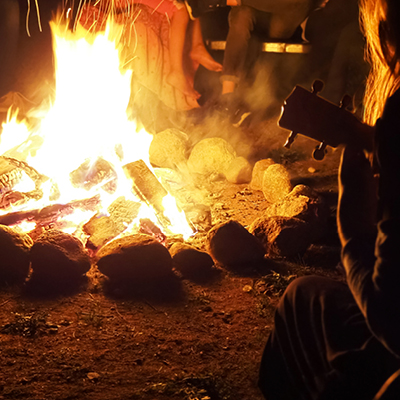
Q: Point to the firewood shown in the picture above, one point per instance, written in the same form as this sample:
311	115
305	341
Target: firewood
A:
51	213
147	187
102	229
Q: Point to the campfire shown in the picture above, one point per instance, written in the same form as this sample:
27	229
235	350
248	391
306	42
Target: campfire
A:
74	159
77	188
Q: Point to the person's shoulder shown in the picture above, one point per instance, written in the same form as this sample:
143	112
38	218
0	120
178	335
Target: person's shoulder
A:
392	106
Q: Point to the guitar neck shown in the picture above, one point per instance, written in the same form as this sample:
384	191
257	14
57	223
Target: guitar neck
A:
308	114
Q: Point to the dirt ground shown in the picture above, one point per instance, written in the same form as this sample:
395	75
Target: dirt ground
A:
183	340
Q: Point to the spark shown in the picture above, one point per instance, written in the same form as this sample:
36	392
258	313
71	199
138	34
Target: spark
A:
158	5
28	13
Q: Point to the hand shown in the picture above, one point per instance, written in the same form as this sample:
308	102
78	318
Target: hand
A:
357	205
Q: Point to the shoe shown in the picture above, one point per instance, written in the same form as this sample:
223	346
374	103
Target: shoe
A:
196	8
236	111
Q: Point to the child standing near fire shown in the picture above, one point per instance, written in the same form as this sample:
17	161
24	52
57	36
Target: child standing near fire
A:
181	27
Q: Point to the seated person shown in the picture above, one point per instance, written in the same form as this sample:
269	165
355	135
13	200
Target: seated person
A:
333	340
275	19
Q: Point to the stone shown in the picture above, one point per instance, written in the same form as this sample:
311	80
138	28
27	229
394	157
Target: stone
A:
199	215
59	256
276	183
168	149
282	236
303	203
258	173
239	171
14	259
190	261
134	258
230	244
211	156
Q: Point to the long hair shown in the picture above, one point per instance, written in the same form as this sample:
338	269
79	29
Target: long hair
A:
380	20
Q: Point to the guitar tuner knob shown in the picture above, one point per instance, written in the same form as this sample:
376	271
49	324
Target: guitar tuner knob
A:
317	86
290	140
346	101
319	152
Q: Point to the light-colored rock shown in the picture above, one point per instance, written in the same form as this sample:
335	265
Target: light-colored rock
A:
276	183
134	258
303	203
14	259
168	149
211	156
282	236
57	256
230	244
258	173
239	171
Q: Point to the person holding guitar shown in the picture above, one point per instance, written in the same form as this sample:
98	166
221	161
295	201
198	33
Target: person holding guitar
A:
342	341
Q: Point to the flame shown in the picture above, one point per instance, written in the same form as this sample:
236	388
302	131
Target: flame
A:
87	121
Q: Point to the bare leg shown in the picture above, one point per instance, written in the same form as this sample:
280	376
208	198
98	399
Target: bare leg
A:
199	52
176	76
228	87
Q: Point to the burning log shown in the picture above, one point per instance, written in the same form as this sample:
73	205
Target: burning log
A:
11	173
102	229
147	187
50	214
89	175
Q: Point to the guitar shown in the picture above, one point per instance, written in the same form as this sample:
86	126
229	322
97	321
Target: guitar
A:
305	112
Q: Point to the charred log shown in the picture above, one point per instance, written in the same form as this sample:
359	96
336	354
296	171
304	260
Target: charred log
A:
102	229
100	173
147	187
49	214
11	173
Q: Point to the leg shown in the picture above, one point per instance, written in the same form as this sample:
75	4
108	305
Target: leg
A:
321	347
199	52
241	25
289	8
176	76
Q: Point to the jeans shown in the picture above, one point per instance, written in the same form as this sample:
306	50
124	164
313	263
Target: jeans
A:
275	19
321	347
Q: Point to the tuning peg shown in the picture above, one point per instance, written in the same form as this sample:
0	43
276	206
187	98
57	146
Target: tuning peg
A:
317	86
346	101
290	140
319	152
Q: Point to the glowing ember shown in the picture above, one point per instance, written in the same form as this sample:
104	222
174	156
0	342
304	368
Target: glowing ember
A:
82	142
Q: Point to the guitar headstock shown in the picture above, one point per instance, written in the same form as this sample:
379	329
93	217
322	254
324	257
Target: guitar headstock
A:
305	112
